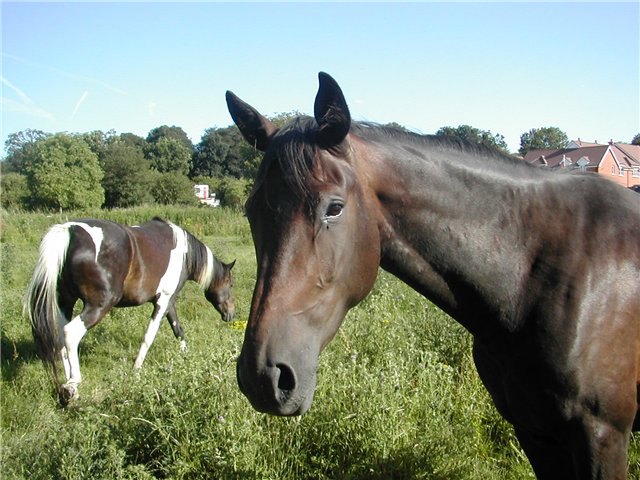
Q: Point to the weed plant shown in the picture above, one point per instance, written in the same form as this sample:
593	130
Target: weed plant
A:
398	396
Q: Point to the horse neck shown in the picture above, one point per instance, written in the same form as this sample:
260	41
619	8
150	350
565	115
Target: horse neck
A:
448	230
201	264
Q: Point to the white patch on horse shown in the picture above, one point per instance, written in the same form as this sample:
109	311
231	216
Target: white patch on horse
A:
73	333
166	289
206	275
96	234
170	280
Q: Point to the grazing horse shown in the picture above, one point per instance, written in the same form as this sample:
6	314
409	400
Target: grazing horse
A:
542	268
108	265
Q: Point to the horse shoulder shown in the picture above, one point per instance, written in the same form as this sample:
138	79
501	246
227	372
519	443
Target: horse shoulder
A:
150	246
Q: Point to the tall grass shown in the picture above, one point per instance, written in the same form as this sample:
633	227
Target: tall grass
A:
398	396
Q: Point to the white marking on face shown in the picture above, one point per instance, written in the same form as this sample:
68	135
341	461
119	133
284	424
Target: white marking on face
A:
96	234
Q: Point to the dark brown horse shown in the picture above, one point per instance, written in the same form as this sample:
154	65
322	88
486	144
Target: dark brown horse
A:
108	265
542	268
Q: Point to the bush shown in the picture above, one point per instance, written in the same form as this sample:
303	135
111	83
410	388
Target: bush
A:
234	192
173	188
15	191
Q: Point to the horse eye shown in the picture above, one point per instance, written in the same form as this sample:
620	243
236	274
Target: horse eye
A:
334	209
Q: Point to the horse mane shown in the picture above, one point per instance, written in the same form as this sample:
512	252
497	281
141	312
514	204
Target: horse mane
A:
292	153
377	132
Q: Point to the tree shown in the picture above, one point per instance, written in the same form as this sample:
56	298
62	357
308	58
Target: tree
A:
540	138
98	141
234	192
221	152
21	149
173	188
132	140
475	135
65	174
175	133
15	191
636	140
127	176
169	155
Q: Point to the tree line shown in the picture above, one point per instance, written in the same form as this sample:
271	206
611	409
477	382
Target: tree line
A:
64	171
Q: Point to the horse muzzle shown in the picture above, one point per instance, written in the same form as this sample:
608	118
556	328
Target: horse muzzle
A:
275	388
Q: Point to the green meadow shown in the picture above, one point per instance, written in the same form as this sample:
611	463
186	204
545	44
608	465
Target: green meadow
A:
398	396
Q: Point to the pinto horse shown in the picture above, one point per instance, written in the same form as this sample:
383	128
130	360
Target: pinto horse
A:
108	265
542	268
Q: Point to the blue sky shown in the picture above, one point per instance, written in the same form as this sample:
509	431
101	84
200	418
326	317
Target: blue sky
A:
504	67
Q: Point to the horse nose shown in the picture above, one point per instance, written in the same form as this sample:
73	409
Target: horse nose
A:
268	389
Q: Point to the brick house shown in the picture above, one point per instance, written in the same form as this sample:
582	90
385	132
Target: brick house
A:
619	162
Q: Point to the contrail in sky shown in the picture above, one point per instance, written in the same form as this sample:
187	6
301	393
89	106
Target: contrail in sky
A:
80	101
66	74
25	105
23	96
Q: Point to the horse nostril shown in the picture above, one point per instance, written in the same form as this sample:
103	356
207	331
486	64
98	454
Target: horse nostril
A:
287	379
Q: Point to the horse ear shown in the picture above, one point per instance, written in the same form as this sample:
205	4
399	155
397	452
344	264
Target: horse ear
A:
331	112
230	265
255	128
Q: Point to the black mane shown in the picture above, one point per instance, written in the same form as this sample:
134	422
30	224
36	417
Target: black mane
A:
293	150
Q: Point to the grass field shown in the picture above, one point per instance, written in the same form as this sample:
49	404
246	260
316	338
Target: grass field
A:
398	396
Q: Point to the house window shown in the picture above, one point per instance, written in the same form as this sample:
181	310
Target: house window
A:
621	172
636	173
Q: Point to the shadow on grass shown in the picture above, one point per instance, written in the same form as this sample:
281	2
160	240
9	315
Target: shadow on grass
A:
14	355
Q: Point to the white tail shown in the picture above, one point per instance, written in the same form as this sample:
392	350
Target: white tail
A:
41	297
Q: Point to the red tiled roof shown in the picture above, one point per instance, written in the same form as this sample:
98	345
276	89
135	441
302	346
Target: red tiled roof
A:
627	155
570	156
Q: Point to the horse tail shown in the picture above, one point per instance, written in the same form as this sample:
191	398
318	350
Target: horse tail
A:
41	298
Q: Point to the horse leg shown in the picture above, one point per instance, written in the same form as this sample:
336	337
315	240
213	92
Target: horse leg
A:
172	317
74	331
548	457
66	306
599	450
159	309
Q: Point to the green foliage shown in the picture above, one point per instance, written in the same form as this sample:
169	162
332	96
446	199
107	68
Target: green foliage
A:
169	155
233	192
127	176
221	152
397	397
475	135
636	139
21	149
540	138
98	141
173	188
14	191
174	133
65	174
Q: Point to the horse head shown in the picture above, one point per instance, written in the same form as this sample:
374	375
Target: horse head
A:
218	292
317	247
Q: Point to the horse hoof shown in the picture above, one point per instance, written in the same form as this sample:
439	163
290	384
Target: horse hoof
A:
67	394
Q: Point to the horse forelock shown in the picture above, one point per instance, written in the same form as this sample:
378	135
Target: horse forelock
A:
288	164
